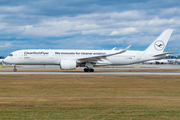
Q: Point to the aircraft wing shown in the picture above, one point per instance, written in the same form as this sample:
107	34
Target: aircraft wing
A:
99	57
163	54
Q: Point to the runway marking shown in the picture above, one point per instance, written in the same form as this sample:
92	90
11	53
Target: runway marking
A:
97	73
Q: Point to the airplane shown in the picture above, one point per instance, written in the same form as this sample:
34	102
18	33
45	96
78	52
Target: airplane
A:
1	58
162	61
1	61
71	59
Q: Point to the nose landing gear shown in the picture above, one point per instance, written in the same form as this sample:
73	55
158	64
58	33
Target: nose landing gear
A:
14	68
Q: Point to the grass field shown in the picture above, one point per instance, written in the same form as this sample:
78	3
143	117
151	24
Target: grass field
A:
89	97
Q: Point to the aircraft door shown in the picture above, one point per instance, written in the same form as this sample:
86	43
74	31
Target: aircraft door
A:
52	55
21	55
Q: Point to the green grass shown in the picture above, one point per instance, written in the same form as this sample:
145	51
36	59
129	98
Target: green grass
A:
89	97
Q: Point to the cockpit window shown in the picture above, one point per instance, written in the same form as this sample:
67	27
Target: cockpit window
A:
10	55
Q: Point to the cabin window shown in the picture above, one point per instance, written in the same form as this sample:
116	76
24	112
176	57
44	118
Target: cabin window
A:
10	55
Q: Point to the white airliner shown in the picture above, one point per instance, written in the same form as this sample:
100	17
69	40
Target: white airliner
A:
70	59
1	61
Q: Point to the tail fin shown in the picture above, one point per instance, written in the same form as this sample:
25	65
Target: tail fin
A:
159	44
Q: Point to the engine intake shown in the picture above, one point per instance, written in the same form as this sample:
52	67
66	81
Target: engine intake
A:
68	64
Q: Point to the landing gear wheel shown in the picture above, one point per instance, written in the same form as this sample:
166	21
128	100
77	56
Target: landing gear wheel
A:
86	70
14	69
91	70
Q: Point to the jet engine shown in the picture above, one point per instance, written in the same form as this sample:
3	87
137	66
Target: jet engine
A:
68	64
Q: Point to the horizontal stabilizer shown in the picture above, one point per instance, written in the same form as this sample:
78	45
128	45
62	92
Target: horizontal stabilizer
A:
163	54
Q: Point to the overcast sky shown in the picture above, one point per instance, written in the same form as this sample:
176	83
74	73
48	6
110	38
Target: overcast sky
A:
86	24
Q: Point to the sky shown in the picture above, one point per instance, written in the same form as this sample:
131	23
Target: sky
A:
87	24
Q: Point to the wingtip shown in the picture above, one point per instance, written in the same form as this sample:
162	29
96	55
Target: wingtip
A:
169	30
128	47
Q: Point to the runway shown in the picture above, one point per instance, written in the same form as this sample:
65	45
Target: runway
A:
55	70
94	73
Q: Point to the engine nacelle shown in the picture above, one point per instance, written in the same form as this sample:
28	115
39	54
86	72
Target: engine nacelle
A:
68	64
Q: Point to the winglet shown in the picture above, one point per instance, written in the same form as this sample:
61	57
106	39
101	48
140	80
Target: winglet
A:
114	48
124	50
128	47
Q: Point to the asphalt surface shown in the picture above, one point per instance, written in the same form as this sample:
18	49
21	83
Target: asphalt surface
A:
97	73
7	70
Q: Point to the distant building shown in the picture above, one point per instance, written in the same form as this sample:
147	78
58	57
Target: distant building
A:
178	56
170	57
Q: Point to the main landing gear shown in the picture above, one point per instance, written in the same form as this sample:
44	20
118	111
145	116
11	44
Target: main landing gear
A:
14	68
88	70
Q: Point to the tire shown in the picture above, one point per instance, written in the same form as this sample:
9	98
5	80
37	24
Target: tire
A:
86	70
91	70
15	70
